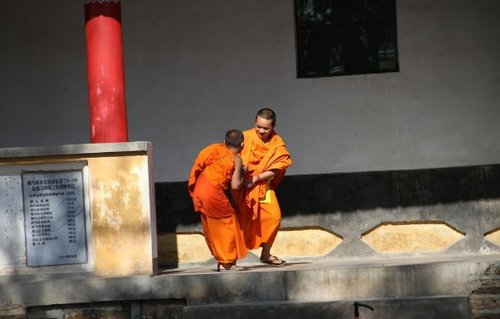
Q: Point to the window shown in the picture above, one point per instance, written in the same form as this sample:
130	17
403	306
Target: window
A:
341	37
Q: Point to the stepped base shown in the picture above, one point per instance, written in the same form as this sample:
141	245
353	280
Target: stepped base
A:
415	308
424	288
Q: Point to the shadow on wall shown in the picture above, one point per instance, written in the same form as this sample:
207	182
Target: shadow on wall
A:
347	192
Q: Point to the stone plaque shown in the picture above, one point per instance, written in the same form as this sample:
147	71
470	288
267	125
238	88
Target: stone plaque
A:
54	214
12	246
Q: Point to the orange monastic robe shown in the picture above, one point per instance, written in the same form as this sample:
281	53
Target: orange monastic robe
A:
209	179
260	211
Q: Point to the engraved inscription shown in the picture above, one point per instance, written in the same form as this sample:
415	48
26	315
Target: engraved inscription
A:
55	218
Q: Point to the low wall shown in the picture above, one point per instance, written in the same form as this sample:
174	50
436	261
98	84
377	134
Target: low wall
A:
78	208
387	214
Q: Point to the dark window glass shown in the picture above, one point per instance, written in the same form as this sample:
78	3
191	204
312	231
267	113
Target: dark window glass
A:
371	10
339	37
321	51
319	12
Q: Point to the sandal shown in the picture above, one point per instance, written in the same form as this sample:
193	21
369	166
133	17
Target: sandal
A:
221	268
273	261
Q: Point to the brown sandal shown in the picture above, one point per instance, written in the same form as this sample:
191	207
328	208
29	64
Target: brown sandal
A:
273	261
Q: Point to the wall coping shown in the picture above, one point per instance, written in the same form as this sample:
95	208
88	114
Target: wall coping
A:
75	149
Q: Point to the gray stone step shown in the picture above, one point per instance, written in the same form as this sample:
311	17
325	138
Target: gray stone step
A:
441	307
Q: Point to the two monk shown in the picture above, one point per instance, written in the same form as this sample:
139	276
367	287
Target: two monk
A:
216	168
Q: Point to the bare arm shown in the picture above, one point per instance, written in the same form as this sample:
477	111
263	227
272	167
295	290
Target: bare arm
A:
264	176
236	179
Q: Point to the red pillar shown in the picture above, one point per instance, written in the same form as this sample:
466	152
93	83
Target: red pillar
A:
105	71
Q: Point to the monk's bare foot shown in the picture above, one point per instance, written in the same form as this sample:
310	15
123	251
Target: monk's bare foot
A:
229	267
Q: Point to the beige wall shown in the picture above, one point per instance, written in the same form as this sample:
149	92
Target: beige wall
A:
121	223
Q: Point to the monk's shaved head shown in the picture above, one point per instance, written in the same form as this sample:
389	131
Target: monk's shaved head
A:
268	114
234	138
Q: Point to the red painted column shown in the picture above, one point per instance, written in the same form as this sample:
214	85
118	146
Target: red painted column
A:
105	71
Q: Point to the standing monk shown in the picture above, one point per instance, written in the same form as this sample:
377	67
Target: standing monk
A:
266	159
217	166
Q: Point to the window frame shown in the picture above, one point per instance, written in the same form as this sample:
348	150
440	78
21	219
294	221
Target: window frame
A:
348	24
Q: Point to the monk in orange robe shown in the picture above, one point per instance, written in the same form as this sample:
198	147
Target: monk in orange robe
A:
215	168
265	159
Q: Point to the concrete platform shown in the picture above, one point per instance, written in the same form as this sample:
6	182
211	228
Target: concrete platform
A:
424	287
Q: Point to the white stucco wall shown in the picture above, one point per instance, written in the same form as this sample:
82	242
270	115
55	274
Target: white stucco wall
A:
196	69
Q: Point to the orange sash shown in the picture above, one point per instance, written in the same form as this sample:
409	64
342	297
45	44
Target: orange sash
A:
259	157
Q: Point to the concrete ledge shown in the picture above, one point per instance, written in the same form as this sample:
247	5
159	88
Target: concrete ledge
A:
74	149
